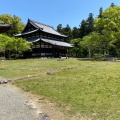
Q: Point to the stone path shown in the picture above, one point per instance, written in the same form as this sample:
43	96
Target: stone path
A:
15	106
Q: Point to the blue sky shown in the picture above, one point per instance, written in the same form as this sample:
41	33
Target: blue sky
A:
54	12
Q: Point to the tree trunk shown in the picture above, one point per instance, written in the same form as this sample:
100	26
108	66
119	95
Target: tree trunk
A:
89	53
8	54
15	55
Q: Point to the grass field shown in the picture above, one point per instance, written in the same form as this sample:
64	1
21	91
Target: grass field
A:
89	88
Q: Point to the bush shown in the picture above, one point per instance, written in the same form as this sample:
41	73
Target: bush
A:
98	57
2	58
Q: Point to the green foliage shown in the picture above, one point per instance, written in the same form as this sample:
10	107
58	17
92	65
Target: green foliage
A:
4	41
83	29
17	25
77	50
100	12
90	24
59	28
75	32
109	20
21	44
109	26
106	38
11	44
98	57
66	31
91	42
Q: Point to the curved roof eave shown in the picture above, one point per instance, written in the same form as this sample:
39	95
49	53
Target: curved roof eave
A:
50	41
25	33
57	43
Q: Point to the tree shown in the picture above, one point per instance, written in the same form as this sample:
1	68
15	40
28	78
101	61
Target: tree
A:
100	12
110	28
112	5
59	28
91	42
83	29
90	24
68	32
75	32
76	50
6	43
1	45
13	45
20	45
17	25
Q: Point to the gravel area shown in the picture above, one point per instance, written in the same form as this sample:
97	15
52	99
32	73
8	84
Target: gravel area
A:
15	106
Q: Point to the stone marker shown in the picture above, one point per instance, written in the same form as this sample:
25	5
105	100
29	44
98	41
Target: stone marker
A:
50	73
45	117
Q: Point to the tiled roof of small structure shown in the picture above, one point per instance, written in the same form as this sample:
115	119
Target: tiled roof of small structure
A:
4	27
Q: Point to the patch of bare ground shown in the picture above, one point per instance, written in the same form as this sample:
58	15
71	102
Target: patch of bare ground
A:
44	106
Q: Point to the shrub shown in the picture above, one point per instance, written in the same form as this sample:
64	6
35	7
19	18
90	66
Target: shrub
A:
98	57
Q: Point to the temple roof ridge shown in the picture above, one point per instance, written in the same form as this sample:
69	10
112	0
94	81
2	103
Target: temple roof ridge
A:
45	28
40	23
33	26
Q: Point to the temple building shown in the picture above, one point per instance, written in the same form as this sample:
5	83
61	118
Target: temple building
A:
4	27
46	41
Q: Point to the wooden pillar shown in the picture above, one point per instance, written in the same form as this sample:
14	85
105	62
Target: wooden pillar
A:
53	51
40	48
35	49
40	42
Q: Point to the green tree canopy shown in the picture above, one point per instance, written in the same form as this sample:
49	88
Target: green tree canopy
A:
20	44
59	28
83	29
91	42
15	45
15	21
90	24
75	32
109	28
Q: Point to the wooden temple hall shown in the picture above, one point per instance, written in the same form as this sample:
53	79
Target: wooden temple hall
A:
46	41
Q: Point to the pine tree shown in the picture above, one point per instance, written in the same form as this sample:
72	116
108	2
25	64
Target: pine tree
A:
100	12
90	24
82	29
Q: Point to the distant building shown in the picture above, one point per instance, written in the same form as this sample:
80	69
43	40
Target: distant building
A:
46	41
4	27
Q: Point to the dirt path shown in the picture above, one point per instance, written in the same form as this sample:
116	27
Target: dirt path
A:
42	105
15	106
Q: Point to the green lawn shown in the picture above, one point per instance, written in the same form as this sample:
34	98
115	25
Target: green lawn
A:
87	87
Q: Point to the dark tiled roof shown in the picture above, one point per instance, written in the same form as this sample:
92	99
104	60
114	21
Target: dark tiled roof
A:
53	42
4	27
34	39
25	33
46	28
57	43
